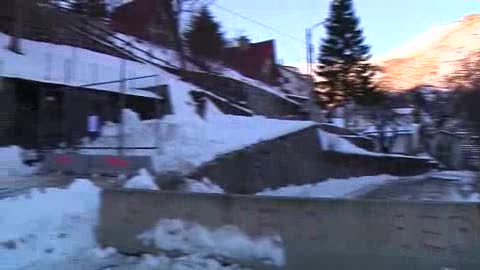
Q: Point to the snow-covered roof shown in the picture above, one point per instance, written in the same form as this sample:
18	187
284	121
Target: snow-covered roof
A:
66	65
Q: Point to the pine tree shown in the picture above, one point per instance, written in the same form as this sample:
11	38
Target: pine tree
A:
203	37
343	66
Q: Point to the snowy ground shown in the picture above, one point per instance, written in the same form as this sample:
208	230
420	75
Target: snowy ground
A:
453	186
333	188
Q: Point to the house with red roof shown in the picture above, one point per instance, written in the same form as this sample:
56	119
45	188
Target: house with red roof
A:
146	20
254	60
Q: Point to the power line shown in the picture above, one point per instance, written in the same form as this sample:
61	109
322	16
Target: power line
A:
259	23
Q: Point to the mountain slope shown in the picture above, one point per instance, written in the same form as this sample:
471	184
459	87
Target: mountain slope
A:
432	57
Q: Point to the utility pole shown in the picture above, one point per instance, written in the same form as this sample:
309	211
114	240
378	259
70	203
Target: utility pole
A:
121	106
309	47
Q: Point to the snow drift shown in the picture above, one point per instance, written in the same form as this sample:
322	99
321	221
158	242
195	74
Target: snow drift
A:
11	163
188	141
227	241
144	180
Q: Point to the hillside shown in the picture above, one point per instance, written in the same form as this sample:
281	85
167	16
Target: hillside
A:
433	56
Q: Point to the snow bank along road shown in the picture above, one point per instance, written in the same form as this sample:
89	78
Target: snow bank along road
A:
54	229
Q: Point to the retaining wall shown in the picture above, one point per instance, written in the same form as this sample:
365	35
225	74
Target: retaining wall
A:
297	158
317	233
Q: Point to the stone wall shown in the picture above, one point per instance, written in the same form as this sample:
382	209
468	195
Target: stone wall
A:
317	233
295	159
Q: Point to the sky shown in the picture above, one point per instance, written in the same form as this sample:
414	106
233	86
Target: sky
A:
387	24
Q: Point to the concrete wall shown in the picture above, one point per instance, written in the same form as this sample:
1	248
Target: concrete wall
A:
317	233
294	159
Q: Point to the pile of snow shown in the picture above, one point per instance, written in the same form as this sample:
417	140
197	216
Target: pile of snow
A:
227	241
203	186
11	163
131	121
188	262
55	229
333	188
186	142
48	226
333	142
143	180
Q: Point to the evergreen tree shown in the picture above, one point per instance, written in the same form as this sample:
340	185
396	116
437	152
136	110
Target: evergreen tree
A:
203	37
343	66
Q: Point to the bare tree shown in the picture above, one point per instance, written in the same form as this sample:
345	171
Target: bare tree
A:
467	76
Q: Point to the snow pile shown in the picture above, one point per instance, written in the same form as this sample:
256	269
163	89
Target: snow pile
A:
143	180
335	143
454	175
186	142
48	226
227	241
11	163
131	121
204	186
332	142
334	188
54	229
189	262
104	253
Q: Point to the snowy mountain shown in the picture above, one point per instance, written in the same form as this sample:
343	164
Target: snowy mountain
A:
431	57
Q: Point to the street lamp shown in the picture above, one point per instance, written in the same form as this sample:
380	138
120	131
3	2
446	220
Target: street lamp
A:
310	50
